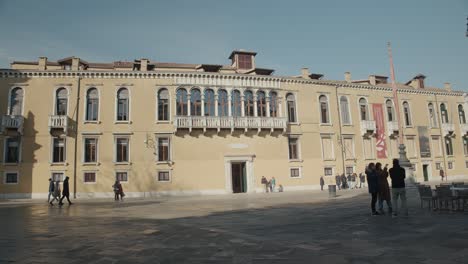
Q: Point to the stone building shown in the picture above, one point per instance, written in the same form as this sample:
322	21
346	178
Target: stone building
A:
170	128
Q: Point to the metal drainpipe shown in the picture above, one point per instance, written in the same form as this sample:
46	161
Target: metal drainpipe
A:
76	135
442	135
341	135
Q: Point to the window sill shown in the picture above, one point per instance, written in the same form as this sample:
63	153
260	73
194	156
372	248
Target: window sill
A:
295	160
91	122
409	126
90	183
163	121
58	163
350	125
298	177
169	181
122	122
329	159
326	124
169	162
11	163
91	163
122	163
294	123
10	183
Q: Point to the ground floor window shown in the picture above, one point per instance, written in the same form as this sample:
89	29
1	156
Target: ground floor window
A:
349	170
58	150
121	176
12	150
11	178
295	172
437	165
90	177
164	176
328	171
57	176
450	165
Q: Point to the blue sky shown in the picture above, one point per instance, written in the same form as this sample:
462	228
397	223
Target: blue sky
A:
328	37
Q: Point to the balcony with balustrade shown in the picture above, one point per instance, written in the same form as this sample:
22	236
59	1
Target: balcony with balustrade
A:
230	122
392	128
12	123
448	129
58	123
368	128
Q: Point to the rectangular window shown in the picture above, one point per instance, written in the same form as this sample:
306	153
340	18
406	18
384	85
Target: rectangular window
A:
450	165
466	164
437	165
245	61
164	149
448	146
328	152
57	176
163	176
90	150
90	177
293	148
121	176
12	150
11	178
121	149
291	112
295	172
58	155
122	110
163	110
62	106
328	171
349	170
348	144
92	108
465	145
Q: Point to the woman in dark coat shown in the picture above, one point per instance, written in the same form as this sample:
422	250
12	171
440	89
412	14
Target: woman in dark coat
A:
373	185
384	189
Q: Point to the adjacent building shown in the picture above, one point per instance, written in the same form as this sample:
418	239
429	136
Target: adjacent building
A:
171	128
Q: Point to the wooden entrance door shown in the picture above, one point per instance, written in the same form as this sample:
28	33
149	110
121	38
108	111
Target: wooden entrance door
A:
239	179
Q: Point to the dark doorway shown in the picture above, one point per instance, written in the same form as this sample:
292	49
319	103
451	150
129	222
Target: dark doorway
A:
239	179
425	172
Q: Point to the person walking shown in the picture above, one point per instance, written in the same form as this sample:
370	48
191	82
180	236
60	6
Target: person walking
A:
349	182
51	190
362	179
384	189
354	178
322	183
265	182
56	193
116	188
373	185
338	181
272	184
344	183
65	192
398	175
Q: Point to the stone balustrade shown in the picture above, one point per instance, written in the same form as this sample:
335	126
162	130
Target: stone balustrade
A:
229	122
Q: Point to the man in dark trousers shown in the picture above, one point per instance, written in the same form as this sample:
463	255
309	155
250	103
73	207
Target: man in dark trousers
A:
322	182
66	191
373	185
398	175
338	181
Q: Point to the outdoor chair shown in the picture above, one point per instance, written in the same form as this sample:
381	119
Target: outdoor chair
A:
426	194
445	196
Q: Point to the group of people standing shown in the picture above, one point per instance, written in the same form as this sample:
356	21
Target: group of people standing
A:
54	191
352	181
118	191
377	179
270	185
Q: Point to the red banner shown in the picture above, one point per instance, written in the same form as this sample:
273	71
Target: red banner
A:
380	145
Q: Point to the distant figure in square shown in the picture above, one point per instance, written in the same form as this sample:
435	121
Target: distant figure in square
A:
66	191
51	190
398	176
373	185
354	178
362	179
384	189
265	182
117	189
57	192
272	184
338	181
344	183
322	183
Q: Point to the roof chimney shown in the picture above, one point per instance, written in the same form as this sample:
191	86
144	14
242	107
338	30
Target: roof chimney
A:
75	64
347	76
305	73
42	63
372	80
448	86
143	64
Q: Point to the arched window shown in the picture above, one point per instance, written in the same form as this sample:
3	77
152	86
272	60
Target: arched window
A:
344	107
273	104
92	104
209	102
163	104
16	101
324	116
223	103
390	111
181	102
443	113
61	103
195	102
432	115
407	113
261	104
291	103
364	111
122	104
236	103
461	114
248	103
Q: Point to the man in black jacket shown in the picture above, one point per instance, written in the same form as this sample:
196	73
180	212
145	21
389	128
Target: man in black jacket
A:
398	175
66	192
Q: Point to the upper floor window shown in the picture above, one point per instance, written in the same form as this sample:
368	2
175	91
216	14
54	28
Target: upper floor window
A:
164	149
92	104
223	103
273	104
390	111
209	102
448	146
122	104
261	104
16	101
324	115
12	150
90	150
121	149
245	61
461	114
181	102
291	103
432	115
248	103
364	111
344	107
407	113
443	113
236	103
195	102
58	154
61	103
163	104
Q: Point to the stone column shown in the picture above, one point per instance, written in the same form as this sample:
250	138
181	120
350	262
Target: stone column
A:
229	98
189	111
255	103
242	105
216	103
267	101
202	97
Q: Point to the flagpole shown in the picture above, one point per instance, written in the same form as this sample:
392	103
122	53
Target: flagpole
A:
404	162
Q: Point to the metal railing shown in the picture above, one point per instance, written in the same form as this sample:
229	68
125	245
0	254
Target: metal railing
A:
219	122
